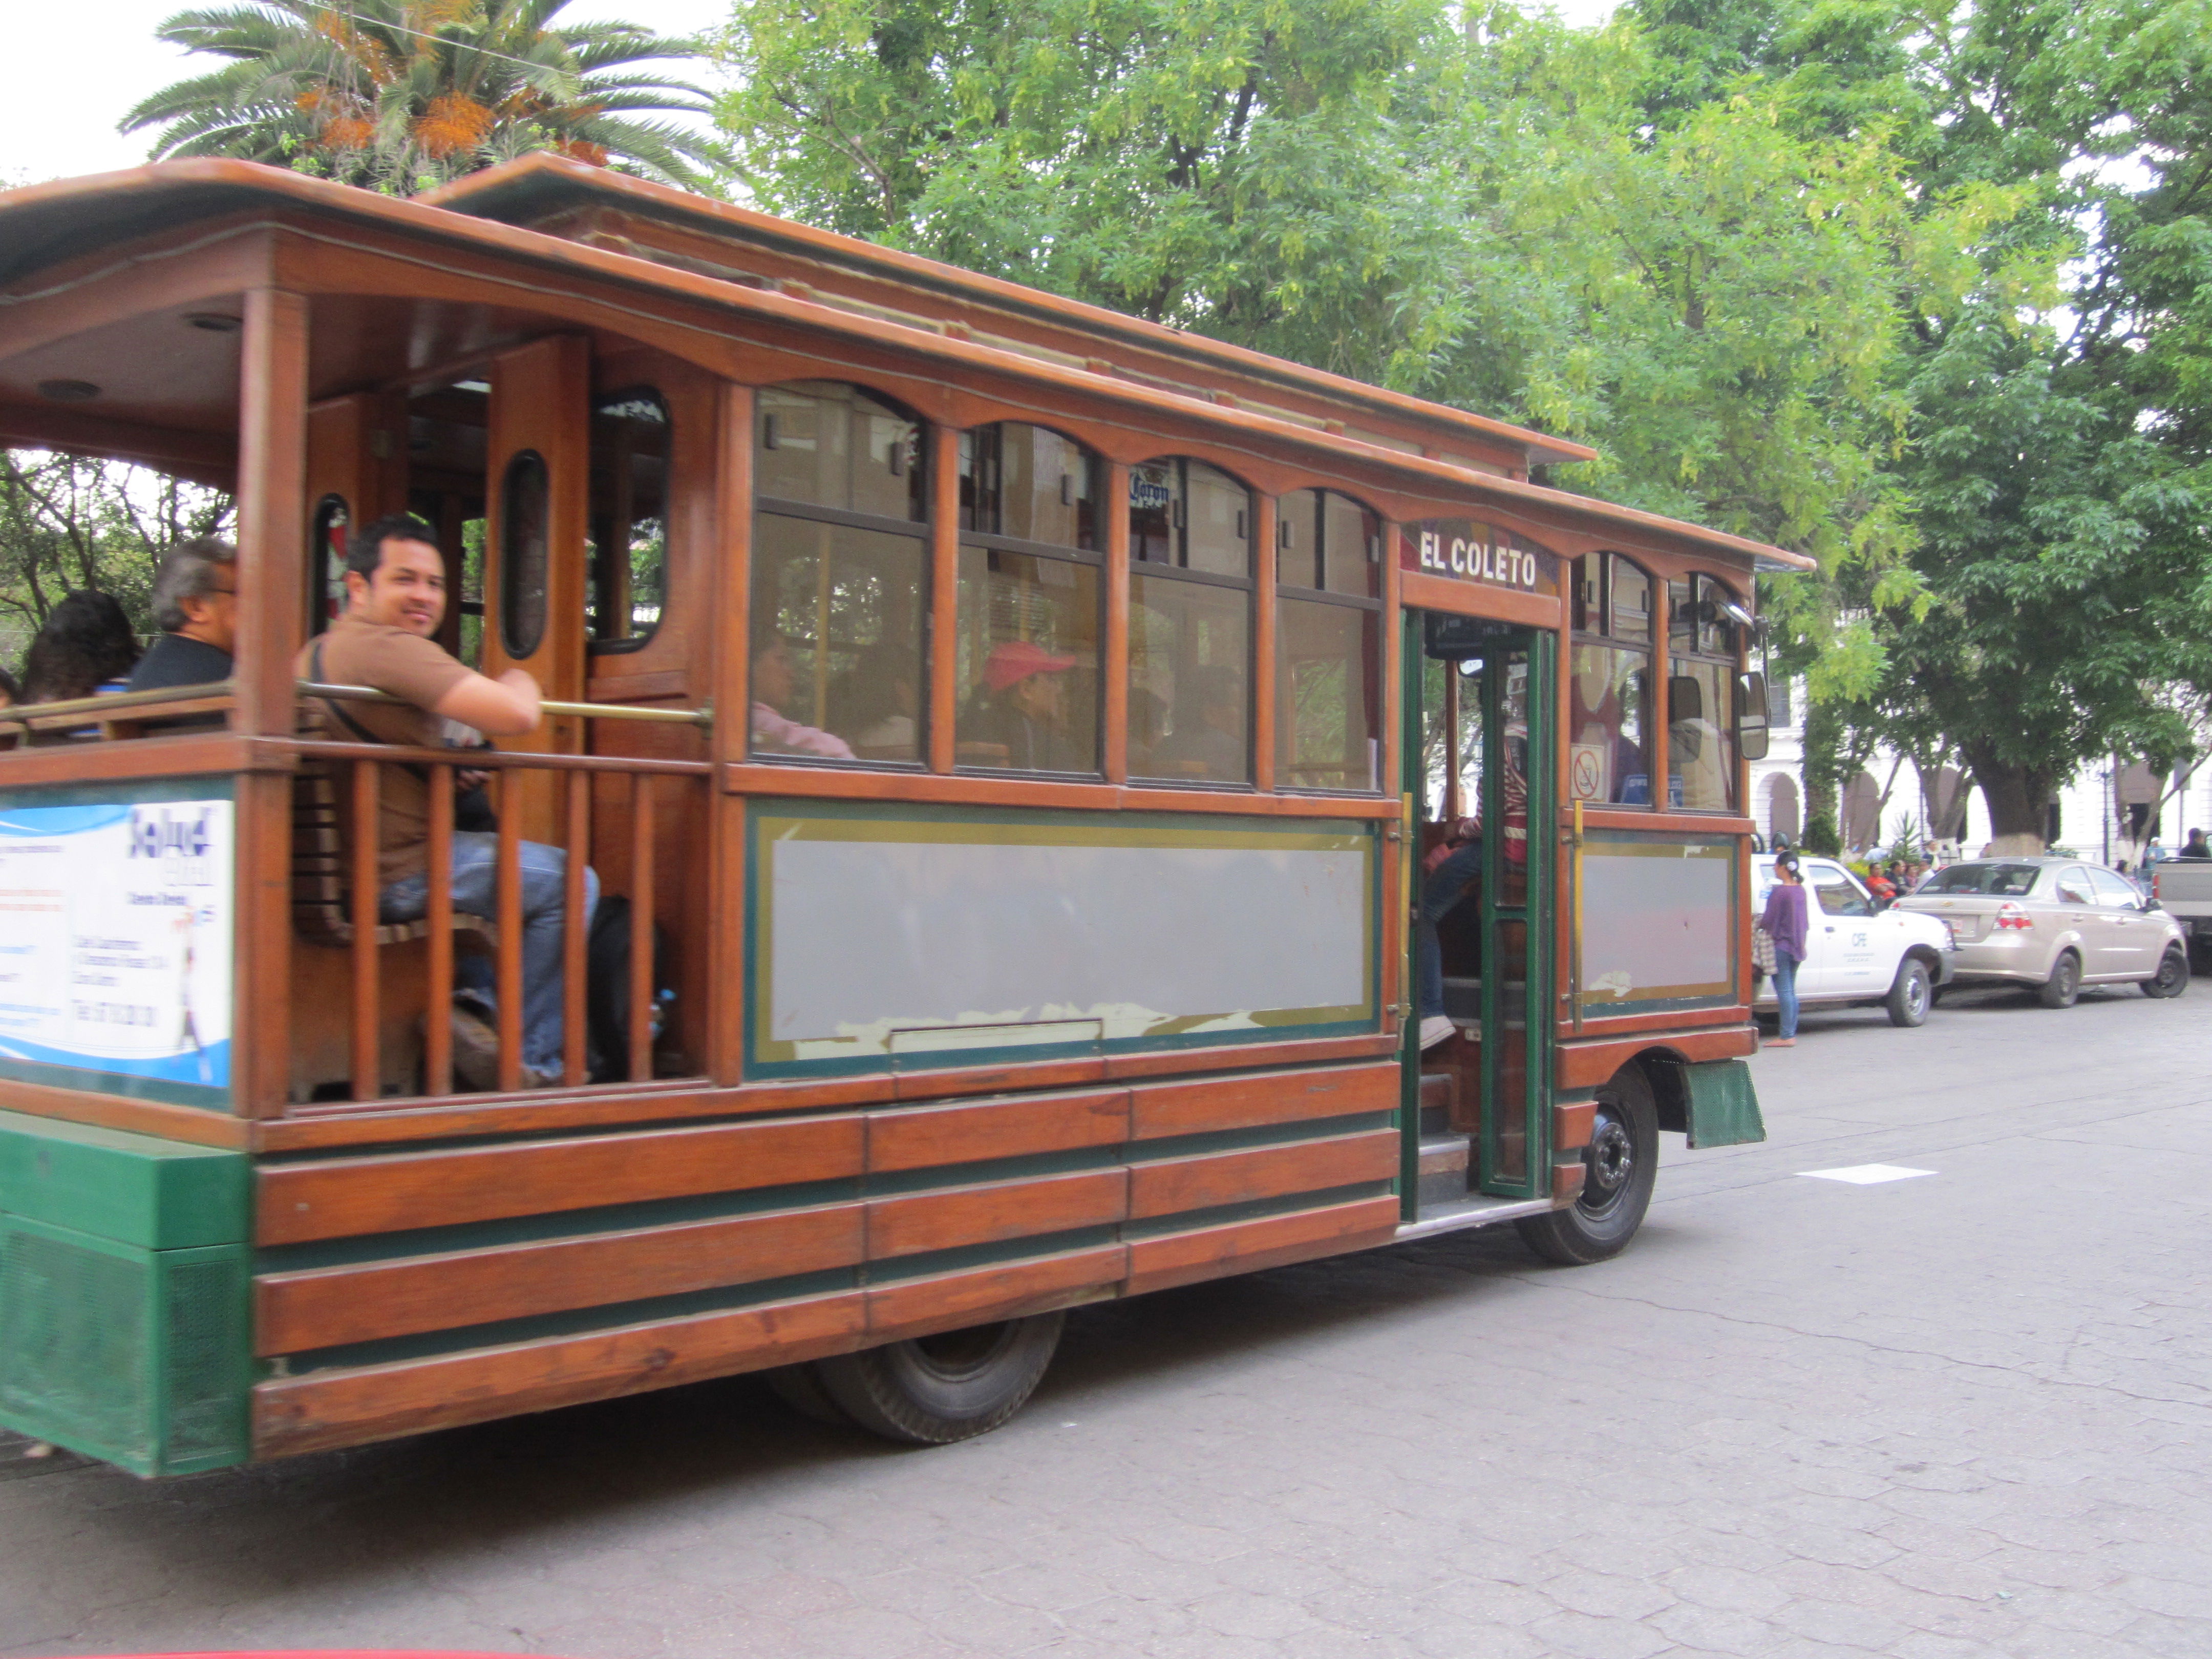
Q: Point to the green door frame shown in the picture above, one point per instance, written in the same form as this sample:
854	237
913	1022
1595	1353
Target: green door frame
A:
1535	913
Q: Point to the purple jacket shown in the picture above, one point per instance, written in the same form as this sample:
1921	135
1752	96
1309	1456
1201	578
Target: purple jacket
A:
1785	920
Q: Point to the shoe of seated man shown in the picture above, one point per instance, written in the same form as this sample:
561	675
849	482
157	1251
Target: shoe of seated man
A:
1434	1030
476	1049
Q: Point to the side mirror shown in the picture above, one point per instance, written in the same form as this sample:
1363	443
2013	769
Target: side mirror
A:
1751	716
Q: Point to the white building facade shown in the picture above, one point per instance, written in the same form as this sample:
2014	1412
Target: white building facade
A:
2107	813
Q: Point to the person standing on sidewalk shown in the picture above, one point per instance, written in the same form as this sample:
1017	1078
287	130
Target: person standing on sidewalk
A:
1784	921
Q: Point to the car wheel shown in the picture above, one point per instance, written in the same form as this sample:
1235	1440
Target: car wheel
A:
1622	1164
1911	996
933	1390
2064	984
2172	976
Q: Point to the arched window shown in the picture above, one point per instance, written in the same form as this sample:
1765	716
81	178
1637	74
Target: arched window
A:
1190	623
327	548
1608	752
1328	642
840	556
526	496
1701	696
1029	603
627	549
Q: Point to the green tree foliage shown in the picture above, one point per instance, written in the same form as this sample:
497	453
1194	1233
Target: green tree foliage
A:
68	522
2060	463
1233	166
403	95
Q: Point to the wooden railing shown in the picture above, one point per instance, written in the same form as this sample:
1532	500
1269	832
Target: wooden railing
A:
355	774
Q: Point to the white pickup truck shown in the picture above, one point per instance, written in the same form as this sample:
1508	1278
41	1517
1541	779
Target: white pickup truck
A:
1855	954
2183	888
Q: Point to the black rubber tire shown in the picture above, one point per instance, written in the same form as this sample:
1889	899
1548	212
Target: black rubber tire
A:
934	1391
2172	976
1621	1164
1911	996
799	1387
2064	985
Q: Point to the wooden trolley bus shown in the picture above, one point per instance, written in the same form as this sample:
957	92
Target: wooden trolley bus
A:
1015	733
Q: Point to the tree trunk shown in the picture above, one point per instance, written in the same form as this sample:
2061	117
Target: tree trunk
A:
2019	799
1823	744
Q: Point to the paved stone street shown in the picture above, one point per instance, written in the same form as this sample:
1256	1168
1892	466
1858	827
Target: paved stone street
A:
1960	1414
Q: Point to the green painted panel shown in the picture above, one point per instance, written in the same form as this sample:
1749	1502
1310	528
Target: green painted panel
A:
133	1188
1723	1104
141	1357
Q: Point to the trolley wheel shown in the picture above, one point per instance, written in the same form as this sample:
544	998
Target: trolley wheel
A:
1622	1161
2172	976
1911	996
2064	984
933	1390
799	1387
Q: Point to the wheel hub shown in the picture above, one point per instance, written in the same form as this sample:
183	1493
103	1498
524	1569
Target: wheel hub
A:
1611	1157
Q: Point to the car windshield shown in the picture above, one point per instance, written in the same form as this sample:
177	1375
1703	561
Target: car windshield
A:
1999	880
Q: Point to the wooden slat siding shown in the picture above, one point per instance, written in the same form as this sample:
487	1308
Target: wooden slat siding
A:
194	1125
1248	1246
914	1224
950	1301
367	878
1175	1184
573	929
438	910
325	1307
507	915
325	1409
928	1137
786	780
313	1127
1571	1124
1587	1064
1183	1108
640	1060
1567	1180
349	1197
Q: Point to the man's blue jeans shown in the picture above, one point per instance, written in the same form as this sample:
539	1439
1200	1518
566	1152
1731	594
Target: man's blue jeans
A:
544	907
1440	889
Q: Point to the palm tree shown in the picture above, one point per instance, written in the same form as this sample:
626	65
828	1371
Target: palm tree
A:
403	95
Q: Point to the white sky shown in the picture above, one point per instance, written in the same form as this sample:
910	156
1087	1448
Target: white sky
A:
68	74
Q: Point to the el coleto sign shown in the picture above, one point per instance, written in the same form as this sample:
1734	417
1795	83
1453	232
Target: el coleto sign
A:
1478	555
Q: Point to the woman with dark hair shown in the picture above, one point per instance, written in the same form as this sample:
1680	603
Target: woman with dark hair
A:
85	648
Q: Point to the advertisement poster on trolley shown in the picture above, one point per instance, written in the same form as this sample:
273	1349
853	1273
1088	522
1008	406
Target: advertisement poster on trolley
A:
115	962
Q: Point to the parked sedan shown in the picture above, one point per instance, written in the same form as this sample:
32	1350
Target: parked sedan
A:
1855	954
2057	924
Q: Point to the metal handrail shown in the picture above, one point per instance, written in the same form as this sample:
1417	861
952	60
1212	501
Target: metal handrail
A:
613	711
22	713
106	707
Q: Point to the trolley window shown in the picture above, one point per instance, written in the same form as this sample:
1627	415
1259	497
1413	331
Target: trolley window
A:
1190	623
1608	713
839	559
627	548
1328	642
1029	604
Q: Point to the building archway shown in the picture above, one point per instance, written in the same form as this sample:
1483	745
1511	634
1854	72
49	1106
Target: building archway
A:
1861	813
1783	819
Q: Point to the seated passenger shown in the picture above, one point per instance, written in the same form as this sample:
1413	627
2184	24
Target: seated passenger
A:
774	682
881	702
84	648
395	581
196	607
1021	710
1450	872
1212	745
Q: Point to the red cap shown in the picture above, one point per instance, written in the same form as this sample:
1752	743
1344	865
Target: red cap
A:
1011	663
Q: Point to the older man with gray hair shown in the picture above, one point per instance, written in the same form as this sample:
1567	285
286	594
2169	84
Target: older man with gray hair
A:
196	607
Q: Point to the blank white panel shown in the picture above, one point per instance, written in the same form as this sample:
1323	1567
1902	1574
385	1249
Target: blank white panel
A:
1651	922
870	937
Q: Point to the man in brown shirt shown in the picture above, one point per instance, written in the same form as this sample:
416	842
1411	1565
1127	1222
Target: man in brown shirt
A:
395	599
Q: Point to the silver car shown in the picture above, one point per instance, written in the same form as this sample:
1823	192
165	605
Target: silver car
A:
2054	923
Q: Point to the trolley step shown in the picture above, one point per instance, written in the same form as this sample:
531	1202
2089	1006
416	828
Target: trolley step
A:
1443	1169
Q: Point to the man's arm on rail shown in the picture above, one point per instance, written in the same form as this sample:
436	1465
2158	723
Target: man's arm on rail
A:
504	707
